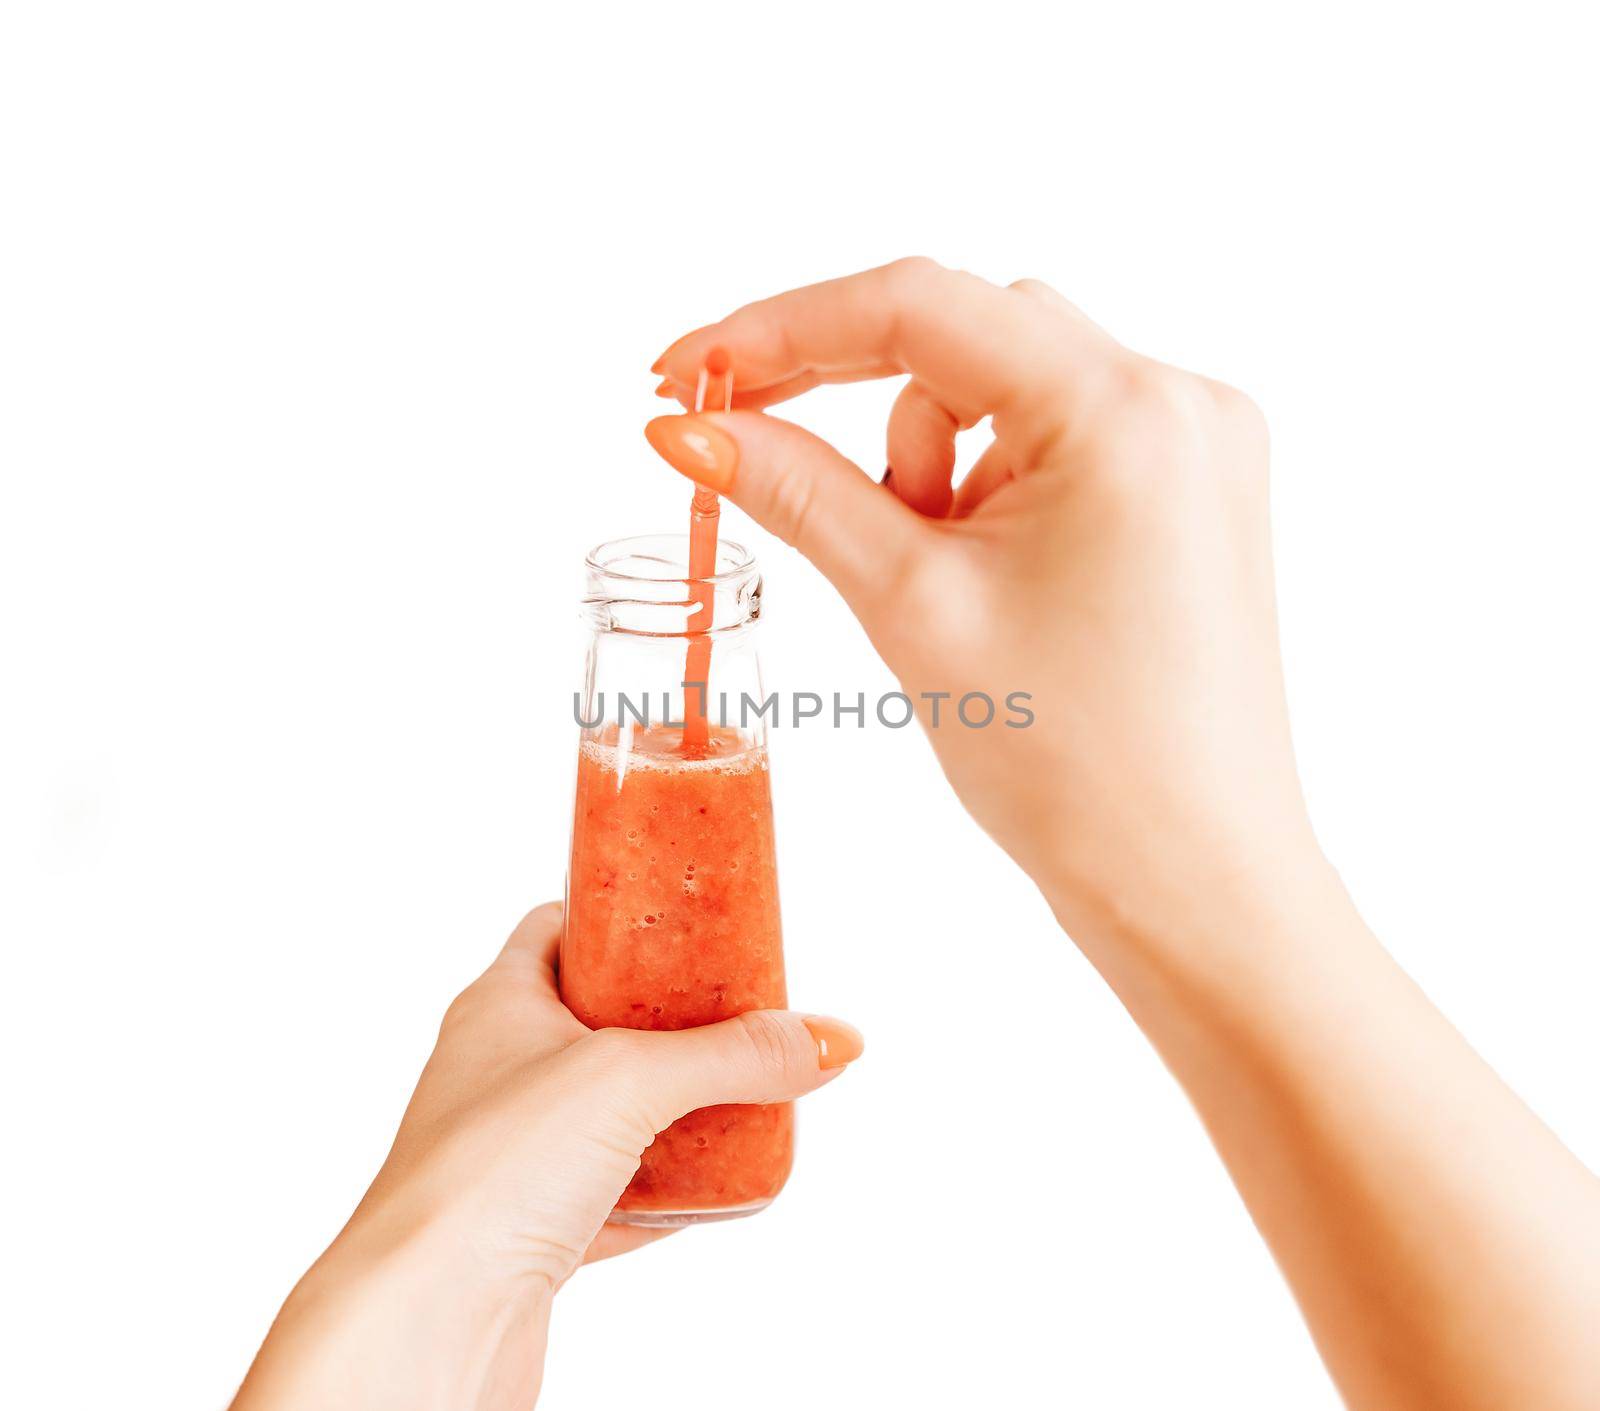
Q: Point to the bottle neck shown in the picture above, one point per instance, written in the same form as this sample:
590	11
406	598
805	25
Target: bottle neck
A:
642	586
670	652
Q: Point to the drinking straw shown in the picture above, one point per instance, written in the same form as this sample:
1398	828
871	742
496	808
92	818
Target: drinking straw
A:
704	512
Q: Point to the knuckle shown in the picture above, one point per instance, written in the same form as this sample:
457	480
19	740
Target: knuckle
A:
1239	414
912	272
1161	393
769	1041
1033	288
463	1010
1178	427
1151	415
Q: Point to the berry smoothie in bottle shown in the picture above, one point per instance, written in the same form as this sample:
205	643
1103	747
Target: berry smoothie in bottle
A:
672	896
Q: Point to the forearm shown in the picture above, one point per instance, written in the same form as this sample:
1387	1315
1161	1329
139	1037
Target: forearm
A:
1443	1245
375	1324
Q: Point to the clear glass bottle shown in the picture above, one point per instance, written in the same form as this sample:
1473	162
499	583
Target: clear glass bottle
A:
672	889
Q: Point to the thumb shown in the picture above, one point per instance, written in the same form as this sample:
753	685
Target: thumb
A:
767	1055
795	484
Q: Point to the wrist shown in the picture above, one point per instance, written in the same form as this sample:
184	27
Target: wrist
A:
1204	919
402	1319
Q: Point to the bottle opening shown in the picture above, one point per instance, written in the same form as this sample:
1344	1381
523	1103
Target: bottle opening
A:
642	585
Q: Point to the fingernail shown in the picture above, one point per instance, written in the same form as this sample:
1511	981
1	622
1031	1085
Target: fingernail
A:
692	446
837	1043
668	388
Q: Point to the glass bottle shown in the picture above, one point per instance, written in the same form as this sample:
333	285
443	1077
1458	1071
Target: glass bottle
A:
672	889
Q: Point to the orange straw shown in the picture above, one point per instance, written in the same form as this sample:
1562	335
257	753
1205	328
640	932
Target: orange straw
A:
704	511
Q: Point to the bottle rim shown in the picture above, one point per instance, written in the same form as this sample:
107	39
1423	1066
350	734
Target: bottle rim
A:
734	561
639	585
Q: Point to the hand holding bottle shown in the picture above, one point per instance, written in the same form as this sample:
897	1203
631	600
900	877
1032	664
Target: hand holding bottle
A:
524	1129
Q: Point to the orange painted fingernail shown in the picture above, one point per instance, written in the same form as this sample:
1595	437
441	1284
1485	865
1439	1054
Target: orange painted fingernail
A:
668	388
692	446
837	1043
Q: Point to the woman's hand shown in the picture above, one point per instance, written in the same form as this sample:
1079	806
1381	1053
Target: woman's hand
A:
524	1129
1109	555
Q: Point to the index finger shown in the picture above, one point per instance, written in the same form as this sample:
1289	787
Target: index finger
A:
535	944
978	348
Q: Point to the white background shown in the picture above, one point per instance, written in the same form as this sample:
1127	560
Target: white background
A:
324	331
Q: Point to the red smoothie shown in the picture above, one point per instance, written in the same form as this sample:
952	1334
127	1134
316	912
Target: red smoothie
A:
672	922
